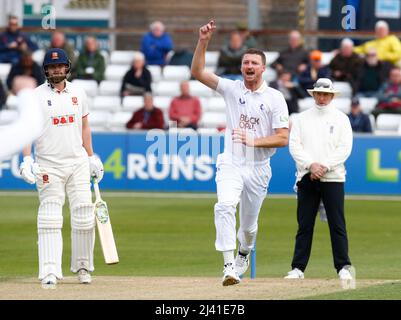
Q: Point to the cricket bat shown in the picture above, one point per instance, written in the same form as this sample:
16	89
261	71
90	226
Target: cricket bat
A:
104	228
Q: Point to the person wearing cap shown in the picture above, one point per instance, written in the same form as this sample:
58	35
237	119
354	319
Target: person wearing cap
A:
388	46
320	142
346	63
360	122
64	163
313	71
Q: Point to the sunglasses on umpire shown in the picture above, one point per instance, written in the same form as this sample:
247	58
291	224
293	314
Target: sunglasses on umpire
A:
321	85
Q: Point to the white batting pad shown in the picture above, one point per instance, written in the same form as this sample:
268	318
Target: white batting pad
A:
82	237
50	241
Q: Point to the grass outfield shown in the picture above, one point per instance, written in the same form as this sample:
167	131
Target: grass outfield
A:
167	236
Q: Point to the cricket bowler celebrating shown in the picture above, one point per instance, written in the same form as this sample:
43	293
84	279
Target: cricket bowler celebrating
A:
64	163
257	123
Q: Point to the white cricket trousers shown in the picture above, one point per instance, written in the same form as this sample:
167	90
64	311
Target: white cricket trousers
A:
52	187
238	183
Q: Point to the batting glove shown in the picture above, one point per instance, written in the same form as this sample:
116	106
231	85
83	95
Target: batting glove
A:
96	168
29	170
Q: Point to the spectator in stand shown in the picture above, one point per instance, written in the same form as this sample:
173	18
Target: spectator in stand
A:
3	95
371	75
181	57
388	46
156	44
229	63
185	110
360	122
138	78
315	70
290	90
346	64
90	63
295	58
26	67
248	39
58	40
13	42
148	117
390	94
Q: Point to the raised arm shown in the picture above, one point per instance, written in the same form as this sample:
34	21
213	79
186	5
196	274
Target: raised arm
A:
198	62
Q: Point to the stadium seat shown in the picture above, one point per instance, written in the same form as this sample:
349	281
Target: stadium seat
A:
110	88
269	75
182	131
166	88
90	86
271	56
8	116
106	56
207	131
216	104
305	103
11	102
122	57
176	73
99	120
327	57
115	71
119	120
198	89
388	124
107	103
213	120
156	72
132	103
344	88
343	104
162	102
368	104
211	58
4	70
372	122
38	56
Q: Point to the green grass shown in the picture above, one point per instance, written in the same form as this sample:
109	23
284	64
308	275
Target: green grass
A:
175	237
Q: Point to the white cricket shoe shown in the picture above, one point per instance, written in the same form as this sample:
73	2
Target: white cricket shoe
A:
84	276
294	274
241	263
230	276
346	278
49	282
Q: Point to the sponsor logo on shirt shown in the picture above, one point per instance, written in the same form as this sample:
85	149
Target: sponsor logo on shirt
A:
283	119
63	120
246	122
74	101
49	103
241	101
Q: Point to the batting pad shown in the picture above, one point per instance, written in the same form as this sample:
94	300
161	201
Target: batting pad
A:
82	237
50	241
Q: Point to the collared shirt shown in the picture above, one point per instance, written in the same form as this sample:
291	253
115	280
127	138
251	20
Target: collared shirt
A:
60	143
258	112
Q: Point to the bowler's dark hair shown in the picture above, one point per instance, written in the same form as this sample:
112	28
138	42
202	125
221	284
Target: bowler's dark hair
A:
255	51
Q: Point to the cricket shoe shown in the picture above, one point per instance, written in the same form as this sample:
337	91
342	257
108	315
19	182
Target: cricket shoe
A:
346	278
241	263
230	276
84	276
49	282
294	274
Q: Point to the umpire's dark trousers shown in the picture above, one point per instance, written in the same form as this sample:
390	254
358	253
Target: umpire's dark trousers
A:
309	195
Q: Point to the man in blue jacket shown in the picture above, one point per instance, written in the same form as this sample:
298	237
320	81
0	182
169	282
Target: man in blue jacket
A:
156	44
13	42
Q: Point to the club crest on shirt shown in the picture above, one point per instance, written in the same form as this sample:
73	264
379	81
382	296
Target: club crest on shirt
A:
45	178
74	101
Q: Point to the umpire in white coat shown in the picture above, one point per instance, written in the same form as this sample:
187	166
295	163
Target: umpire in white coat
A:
320	143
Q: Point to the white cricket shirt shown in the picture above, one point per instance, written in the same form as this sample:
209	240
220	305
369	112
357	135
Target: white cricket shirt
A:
60	144
322	135
258	112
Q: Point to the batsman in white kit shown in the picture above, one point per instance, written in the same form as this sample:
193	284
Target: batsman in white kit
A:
64	164
257	123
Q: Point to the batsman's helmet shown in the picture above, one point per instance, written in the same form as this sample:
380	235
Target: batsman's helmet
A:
56	56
